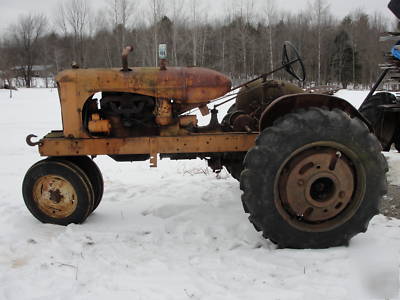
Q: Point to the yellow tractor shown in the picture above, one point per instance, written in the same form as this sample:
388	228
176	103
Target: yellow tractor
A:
310	168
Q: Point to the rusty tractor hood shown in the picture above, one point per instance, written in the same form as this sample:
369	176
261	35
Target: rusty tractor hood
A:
183	84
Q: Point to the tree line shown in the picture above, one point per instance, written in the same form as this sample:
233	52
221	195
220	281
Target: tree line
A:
243	42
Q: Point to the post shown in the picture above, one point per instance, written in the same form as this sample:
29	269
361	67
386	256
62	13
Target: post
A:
125	53
162	54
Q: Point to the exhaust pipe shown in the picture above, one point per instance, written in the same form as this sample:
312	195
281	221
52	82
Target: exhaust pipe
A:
125	54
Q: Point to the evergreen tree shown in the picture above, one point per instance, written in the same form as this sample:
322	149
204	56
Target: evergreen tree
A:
342	59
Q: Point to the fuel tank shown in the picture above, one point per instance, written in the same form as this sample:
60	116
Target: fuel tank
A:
182	84
262	93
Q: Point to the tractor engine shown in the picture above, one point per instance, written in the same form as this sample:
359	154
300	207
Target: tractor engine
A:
121	114
144	101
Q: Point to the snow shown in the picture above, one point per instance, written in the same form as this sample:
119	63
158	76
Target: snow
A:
356	98
175	232
393	159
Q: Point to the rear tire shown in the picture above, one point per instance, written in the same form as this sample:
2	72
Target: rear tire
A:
314	179
57	192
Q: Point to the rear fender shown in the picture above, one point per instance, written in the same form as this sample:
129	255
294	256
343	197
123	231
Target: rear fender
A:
290	103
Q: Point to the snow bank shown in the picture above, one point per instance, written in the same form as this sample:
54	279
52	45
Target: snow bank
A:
356	98
175	232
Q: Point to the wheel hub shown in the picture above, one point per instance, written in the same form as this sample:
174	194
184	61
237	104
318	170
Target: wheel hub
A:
55	196
322	189
316	185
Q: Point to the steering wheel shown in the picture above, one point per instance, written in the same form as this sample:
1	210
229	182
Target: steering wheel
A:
292	61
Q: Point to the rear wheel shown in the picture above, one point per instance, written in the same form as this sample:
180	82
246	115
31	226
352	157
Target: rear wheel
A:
314	179
57	192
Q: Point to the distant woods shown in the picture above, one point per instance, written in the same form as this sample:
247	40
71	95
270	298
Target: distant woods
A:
242	41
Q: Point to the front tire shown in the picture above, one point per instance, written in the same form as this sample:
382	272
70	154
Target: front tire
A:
57	192
92	171
314	179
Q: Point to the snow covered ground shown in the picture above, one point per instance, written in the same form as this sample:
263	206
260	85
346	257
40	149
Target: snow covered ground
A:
175	232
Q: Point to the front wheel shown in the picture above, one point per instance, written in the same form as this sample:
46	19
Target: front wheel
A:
58	192
91	170
314	179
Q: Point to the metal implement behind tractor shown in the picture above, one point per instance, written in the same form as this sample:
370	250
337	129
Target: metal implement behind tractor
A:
309	166
382	109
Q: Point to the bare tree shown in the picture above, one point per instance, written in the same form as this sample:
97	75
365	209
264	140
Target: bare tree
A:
246	15
121	12
7	59
270	13
320	12
73	17
204	35
194	25
104	38
157	10
177	15
26	35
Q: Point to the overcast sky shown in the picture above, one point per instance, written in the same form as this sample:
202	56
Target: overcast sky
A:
11	9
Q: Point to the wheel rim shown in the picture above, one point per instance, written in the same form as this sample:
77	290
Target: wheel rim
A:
319	188
55	196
